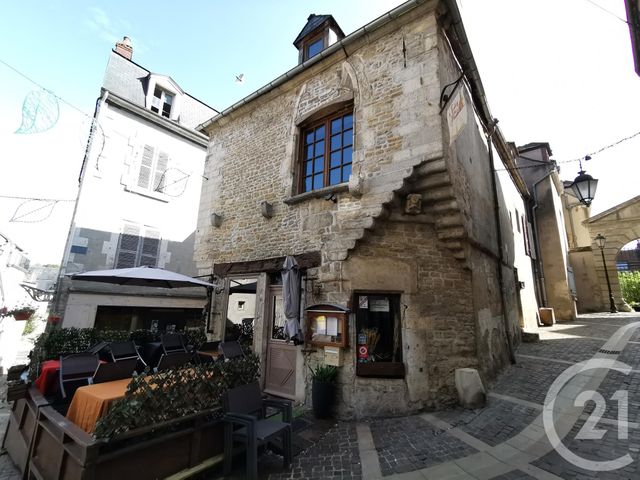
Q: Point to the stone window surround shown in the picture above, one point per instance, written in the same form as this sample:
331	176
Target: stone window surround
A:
339	103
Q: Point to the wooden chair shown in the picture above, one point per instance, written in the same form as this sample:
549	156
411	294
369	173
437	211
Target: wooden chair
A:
245	407
108	372
231	350
76	370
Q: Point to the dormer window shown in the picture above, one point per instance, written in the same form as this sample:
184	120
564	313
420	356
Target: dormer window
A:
314	48
162	102
164	96
320	32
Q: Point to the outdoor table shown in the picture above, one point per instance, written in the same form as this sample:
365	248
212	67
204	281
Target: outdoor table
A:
214	354
92	402
47	382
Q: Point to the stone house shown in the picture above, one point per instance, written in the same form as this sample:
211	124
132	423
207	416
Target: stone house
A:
545	224
137	202
369	163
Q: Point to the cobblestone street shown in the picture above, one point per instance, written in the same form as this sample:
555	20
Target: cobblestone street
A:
507	439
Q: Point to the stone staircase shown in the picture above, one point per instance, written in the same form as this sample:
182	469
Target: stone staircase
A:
385	199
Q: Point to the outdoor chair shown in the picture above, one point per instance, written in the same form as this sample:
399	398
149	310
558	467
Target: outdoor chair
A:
245	407
108	372
127	350
173	360
172	342
231	350
76	370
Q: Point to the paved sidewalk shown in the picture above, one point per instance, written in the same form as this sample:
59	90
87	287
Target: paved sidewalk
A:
507	439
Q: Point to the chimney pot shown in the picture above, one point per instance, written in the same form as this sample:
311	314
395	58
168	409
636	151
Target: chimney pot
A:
124	48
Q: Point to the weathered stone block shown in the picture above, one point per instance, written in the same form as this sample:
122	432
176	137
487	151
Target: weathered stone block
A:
471	392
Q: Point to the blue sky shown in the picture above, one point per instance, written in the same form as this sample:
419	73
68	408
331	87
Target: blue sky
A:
559	72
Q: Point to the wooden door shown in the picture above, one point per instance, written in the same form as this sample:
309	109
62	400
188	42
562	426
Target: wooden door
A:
280	378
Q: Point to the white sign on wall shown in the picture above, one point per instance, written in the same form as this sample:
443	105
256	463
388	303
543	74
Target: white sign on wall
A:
456	115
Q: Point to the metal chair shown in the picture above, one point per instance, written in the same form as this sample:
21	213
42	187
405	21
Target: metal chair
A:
231	350
76	370
244	406
127	350
108	372
173	360
173	342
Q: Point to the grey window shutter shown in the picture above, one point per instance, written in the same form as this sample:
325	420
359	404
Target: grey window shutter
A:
160	173
150	248
146	167
128	248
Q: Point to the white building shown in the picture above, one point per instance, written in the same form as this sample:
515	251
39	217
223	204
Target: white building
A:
138	200
14	264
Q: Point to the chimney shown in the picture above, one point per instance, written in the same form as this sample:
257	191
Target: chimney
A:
124	48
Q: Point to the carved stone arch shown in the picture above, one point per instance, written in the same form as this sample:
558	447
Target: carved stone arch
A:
288	167
619	225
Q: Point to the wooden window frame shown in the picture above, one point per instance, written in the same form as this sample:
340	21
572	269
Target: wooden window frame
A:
320	36
379	369
164	94
326	172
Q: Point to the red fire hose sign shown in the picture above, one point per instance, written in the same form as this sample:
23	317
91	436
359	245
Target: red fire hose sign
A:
363	352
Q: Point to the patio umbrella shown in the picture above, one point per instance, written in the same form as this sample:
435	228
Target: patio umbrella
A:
141	277
291	298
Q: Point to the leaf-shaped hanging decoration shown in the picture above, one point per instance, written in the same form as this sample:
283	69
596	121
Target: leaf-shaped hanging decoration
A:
173	182
33	211
40	112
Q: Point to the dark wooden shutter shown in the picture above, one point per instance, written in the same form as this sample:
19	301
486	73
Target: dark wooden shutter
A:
146	167
128	248
150	248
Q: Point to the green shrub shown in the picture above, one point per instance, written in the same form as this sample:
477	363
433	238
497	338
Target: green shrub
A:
155	398
63	341
325	373
630	286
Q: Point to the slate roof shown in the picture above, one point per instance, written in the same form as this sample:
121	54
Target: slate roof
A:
129	80
313	22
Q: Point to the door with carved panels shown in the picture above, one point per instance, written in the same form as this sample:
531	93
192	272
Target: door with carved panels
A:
280	378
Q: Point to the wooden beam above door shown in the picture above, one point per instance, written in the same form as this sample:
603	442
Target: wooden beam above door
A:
305	260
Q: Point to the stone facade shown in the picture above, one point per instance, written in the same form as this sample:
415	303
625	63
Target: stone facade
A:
443	260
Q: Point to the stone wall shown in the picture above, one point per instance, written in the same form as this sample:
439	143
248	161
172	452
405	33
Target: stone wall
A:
443	259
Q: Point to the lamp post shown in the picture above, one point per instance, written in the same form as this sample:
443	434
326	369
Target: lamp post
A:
600	240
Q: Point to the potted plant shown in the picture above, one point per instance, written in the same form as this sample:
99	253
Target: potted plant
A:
323	390
22	312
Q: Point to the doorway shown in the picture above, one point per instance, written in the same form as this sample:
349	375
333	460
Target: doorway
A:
280	376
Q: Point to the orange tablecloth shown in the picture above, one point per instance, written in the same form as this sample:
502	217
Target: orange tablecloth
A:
92	402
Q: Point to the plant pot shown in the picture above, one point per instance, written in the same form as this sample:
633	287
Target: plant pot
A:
22	315
322	398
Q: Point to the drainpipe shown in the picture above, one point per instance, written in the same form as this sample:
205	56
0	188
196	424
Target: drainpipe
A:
543	289
496	211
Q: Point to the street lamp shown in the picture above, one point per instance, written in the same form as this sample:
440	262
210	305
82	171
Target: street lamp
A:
584	186
600	240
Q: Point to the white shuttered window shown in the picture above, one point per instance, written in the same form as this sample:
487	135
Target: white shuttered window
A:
153	169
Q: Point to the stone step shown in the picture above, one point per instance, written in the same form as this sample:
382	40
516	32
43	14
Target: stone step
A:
438	194
444	206
430	182
450	220
451	233
432	166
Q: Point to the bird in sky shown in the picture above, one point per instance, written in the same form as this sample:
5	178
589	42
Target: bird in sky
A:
240	78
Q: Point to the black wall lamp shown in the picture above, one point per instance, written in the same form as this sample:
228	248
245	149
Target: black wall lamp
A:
584	186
